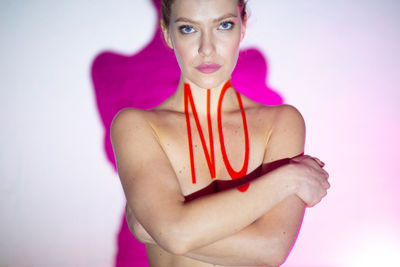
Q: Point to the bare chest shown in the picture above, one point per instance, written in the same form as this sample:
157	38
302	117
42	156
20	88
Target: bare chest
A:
206	150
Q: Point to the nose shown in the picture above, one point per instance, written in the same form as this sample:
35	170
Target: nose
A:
207	46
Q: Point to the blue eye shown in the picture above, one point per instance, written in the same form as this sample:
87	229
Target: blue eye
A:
186	29
227	25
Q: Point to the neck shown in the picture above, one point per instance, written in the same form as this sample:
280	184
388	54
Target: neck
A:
205	100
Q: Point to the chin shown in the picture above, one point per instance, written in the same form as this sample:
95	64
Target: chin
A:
209	81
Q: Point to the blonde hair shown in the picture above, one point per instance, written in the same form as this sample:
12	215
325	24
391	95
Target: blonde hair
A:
166	10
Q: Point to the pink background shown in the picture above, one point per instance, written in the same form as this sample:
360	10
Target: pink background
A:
338	63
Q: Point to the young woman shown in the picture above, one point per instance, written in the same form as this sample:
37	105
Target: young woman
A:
210	176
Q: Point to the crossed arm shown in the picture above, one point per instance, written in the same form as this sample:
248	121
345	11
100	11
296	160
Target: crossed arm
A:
270	212
267	241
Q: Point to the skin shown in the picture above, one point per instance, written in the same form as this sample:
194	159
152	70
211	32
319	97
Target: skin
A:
254	228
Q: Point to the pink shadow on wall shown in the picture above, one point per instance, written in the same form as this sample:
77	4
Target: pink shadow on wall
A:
146	79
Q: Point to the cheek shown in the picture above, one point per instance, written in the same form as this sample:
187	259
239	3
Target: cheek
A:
185	52
229	48
229	42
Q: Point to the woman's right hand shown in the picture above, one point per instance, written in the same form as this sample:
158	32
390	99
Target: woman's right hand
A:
310	179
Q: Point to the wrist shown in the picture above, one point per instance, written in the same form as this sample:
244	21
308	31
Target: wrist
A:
285	179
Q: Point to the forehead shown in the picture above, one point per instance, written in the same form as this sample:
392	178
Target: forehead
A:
203	10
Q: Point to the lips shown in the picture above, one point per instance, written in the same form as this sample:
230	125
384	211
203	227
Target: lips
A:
208	68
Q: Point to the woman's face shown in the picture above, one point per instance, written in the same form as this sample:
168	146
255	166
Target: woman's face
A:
205	36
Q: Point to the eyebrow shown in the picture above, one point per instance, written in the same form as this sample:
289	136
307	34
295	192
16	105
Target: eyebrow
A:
223	17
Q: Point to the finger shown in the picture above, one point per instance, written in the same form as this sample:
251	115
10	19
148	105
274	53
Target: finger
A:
324	172
317	160
320	163
329	185
318	167
325	184
312	162
297	158
302	158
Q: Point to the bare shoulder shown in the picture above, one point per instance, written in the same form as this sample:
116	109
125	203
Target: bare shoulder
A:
137	148
132	131
288	116
129	117
276	116
287	132
132	121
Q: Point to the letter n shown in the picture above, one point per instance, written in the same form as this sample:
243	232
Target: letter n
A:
188	98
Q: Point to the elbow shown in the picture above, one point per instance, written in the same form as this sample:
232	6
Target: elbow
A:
175	247
170	240
280	256
175	241
170	237
274	261
277	254
137	231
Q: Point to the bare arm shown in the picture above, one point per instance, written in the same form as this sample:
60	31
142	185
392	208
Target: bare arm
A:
156	200
268	240
265	242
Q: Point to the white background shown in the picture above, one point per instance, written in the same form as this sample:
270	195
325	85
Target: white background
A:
336	61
